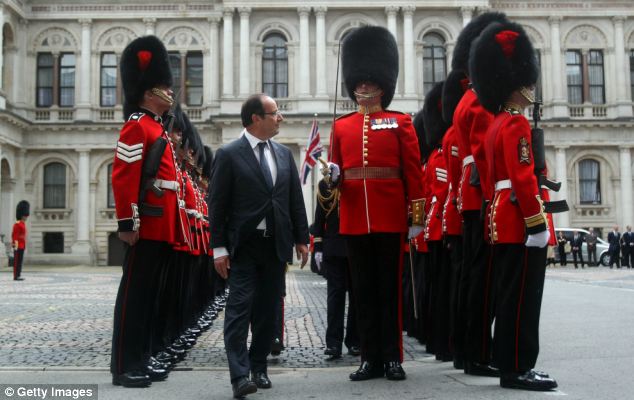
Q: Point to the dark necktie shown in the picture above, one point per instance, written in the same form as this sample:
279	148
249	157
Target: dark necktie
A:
264	166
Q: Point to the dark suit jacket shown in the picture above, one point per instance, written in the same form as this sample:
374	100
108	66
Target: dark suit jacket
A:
576	242
614	240
326	227
239	199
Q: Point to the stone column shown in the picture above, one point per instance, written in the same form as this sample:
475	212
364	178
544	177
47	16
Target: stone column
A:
626	186
245	54
214	59
409	83
560	110
320	51
467	14
624	104
227	57
2	46
304	52
82	246
562	219
391	12
85	80
150	25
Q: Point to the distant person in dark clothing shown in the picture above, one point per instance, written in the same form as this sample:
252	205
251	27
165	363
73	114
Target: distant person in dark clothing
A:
561	248
591	243
576	244
614	239
627	248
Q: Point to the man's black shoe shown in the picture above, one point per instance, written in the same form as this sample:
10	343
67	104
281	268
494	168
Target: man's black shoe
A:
354	351
132	379
243	386
477	369
261	380
276	347
458	363
19	278
156	364
331	351
155	374
394	371
367	371
528	380
166	357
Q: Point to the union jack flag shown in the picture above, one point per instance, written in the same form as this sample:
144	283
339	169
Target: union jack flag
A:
313	152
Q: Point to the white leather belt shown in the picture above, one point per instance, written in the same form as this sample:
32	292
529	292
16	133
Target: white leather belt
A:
504	184
168	185
467	160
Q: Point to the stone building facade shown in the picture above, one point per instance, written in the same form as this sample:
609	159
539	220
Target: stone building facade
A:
60	96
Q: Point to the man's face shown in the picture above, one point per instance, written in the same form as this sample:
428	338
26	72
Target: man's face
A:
616	228
162	101
365	88
268	124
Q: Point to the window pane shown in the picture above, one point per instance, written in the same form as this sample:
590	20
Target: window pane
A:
44	97
595	77
538	85
45	77
194	78
195	96
67	80
275	66
175	64
55	185
108	97
589	182
632	74
574	77
44	80
67	60
434	60
45	60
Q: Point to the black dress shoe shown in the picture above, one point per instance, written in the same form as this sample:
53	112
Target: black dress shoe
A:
19	279
331	351
528	380
166	357
367	371
354	351
261	380
156	364
132	379
477	369
156	374
458	363
243	386
276	347
394	371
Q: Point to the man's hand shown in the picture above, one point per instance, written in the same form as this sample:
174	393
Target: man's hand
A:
414	231
302	253
129	237
222	266
538	239
319	257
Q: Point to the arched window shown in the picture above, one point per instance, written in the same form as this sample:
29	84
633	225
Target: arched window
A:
275	66
54	185
589	182
434	60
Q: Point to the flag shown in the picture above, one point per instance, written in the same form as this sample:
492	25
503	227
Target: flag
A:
313	152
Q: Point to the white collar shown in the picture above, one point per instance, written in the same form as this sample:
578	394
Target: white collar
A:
253	141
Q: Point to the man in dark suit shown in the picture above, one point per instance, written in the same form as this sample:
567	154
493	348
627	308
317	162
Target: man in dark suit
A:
627	248
591	243
614	239
575	244
258	215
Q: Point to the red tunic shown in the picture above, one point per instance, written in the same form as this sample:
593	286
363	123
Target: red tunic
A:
372	205
451	219
471	122
136	137
509	153
419	241
437	174
19	234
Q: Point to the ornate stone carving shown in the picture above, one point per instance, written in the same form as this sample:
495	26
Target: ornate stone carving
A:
184	37
585	36
55	40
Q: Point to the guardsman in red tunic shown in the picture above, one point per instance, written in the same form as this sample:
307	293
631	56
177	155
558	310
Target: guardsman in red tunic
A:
504	71
145	191
18	238
377	167
454	88
436	275
471	122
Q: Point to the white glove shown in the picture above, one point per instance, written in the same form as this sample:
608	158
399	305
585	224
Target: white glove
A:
319	257
538	239
334	172
414	231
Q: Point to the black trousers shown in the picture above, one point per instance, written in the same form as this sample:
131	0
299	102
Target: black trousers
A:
592	255
338	277
376	271
18	257
562	255
476	271
519	286
135	304
456	312
255	288
577	254
432	270
627	254
615	257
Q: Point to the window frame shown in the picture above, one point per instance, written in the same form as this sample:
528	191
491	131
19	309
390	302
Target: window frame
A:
276	86
60	71
580	86
431	47
602	84
39	86
45	200
581	180
102	87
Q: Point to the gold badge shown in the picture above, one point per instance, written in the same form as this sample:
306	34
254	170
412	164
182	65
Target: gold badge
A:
524	151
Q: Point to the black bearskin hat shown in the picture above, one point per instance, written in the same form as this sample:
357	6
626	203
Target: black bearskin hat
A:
502	60
460	57
209	159
144	65
22	210
454	88
370	53
435	126
192	141
425	149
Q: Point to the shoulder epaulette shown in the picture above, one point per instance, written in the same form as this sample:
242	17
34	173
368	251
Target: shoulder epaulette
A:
346	115
136	116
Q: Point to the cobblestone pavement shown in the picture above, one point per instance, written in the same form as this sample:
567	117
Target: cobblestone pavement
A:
62	317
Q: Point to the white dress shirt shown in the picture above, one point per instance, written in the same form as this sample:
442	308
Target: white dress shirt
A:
253	142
